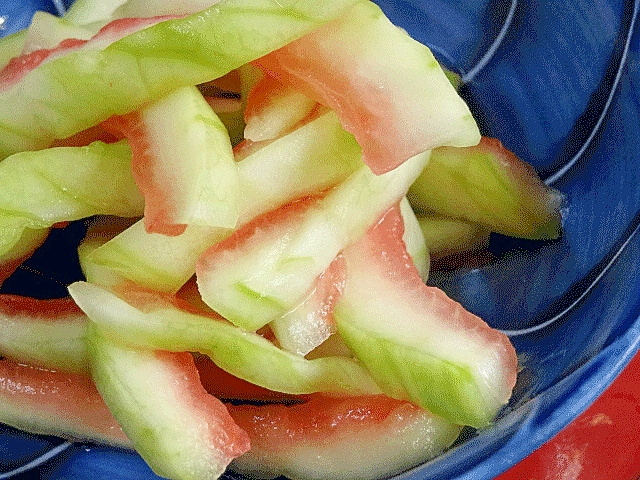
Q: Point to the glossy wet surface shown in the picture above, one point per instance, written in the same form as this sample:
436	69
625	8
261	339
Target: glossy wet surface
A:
557	82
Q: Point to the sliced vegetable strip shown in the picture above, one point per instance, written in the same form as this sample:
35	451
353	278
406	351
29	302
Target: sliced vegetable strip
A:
62	184
312	158
159	59
55	403
182	162
488	185
417	343
69	183
180	430
257	276
150	260
447	235
273	109
339	438
45	333
148	320
388	89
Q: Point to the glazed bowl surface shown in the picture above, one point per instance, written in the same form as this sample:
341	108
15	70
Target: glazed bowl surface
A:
559	84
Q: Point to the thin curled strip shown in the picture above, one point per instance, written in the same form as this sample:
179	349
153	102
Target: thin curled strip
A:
43	188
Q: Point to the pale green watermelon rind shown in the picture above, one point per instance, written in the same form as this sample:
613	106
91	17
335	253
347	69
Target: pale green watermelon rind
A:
314	157
446	235
83	12
248	286
290	373
503	197
46	31
11	46
69	183
18	240
244	354
414	240
48	102
92	271
408	373
152	260
201	191
407	437
140	393
58	345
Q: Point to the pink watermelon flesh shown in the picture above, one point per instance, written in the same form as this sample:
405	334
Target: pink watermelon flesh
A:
387	89
453	362
351	438
55	403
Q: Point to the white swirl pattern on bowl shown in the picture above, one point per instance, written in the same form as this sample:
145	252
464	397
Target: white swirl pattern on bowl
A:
517	423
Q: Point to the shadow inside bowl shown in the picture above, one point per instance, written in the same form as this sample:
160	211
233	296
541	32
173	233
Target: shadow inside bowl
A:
557	82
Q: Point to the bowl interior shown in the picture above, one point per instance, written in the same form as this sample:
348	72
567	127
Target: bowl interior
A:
556	82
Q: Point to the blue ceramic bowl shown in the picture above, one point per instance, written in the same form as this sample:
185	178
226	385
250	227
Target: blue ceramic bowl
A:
557	82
